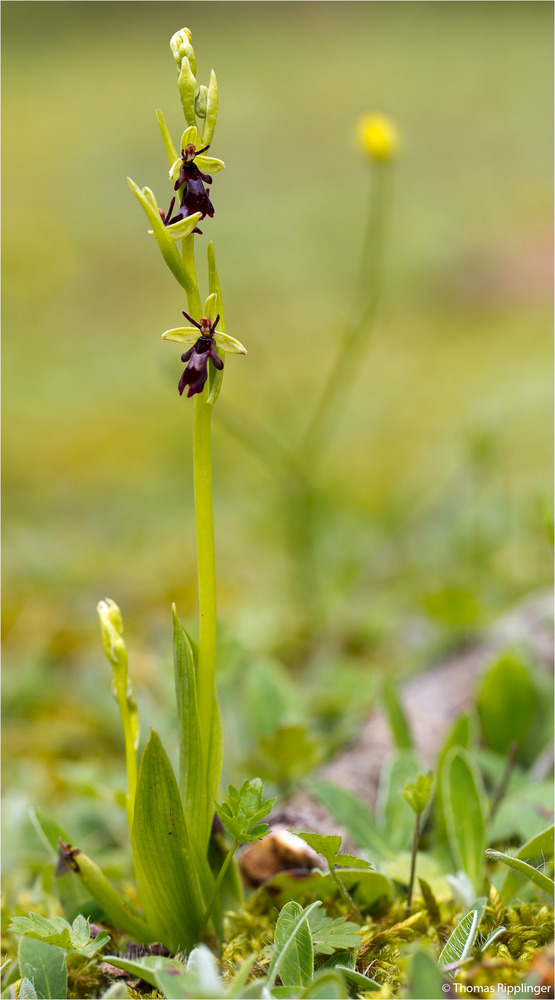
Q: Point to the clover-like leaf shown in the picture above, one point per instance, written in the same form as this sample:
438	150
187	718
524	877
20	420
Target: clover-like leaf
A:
241	811
328	846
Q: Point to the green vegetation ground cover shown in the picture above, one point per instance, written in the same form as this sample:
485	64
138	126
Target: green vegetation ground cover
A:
438	531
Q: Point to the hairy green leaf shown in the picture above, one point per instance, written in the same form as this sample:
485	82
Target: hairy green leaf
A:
535	852
542	881
462	938
293	957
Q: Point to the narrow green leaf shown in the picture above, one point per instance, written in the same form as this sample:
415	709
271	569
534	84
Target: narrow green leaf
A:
426	981
543	882
398	722
291	921
167	246
348	810
462	938
167	139
146	967
192	785
393	813
463	733
536	851
465	811
45	965
164	860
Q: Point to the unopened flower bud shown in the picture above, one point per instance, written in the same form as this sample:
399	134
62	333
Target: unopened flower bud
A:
378	136
201	101
188	90
111	627
181	47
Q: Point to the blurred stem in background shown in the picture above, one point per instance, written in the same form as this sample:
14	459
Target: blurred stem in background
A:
298	472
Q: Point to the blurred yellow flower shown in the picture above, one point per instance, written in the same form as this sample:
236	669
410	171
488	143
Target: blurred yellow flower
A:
378	136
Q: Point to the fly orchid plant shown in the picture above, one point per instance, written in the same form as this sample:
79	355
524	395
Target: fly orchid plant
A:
183	868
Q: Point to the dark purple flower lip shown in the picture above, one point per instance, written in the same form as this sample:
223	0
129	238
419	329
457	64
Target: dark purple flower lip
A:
197	357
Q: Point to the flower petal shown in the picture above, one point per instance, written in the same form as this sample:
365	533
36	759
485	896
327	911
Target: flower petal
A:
229	344
182	334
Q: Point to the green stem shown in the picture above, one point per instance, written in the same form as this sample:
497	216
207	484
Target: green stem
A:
206	563
130	752
415	839
356	333
348	899
217	886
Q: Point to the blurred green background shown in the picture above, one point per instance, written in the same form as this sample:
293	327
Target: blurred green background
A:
431	514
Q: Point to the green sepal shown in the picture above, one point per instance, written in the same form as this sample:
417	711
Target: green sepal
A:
167	246
165	861
211	110
229	344
417	793
166	137
180	230
182	334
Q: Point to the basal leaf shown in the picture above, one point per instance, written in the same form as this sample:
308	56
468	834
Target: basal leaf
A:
465	811
327	984
192	783
45	965
164	860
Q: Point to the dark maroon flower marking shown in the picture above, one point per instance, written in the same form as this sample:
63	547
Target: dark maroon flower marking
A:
194	197
197	356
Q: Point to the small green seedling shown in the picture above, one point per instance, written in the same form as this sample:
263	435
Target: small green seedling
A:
417	794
